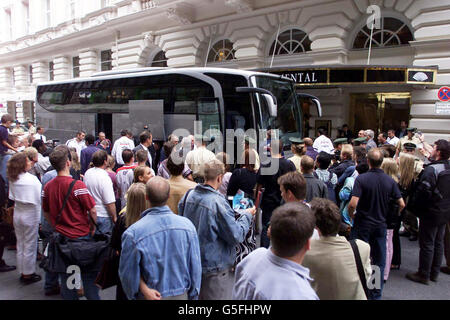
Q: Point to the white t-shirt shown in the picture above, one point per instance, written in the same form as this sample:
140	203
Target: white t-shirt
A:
73	143
124	179
323	143
100	186
121	144
39	136
393	141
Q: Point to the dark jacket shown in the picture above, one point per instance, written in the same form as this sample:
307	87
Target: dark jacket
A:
434	193
340	169
152	151
86	157
315	188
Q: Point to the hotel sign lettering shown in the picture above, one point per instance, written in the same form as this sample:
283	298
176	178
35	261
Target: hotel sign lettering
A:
305	76
355	75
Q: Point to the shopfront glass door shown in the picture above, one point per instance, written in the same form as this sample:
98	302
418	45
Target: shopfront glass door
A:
379	111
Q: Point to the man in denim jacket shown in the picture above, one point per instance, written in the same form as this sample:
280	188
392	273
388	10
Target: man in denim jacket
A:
218	231
160	251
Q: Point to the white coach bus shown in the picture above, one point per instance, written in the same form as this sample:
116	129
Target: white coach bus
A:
167	99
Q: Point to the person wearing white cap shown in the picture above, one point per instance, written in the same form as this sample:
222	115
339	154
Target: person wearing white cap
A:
323	143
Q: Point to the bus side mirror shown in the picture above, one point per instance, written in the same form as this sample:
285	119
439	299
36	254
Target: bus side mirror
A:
314	99
271	100
271	105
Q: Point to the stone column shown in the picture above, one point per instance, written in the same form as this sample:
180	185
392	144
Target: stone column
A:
62	68
5	80
21	76
88	62
40	71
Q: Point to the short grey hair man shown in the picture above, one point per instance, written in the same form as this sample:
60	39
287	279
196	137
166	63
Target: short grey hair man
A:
157	191
370	133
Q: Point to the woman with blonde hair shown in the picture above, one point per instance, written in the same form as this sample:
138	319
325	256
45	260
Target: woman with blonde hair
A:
76	166
25	191
408	176
223	157
390	167
143	174
136	204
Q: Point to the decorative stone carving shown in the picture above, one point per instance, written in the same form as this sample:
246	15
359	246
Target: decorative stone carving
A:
241	6
183	13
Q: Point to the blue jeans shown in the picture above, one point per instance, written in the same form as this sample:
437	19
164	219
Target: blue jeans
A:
90	289
265	241
88	279
376	238
51	278
3	163
105	225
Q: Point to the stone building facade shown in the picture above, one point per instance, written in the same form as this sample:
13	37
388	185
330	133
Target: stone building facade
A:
44	40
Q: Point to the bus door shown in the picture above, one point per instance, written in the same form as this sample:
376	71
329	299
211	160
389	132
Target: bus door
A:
104	123
147	113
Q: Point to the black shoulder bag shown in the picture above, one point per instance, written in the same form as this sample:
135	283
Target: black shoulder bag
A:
87	254
359	267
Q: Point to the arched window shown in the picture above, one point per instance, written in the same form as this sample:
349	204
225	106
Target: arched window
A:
393	32
159	60
291	41
221	51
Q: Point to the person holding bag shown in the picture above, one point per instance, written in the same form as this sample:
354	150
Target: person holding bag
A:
70	210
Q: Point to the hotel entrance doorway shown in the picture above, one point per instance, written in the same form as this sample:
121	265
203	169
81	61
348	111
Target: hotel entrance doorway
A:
379	111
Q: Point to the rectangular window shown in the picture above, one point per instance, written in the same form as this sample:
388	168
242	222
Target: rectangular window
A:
72	9
76	67
48	13
27	17
9	23
51	71
105	3
106	60
30	74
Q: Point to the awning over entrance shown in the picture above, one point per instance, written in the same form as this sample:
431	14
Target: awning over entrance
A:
356	75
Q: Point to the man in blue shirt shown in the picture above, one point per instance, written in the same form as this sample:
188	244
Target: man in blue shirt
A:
218	231
86	153
276	273
161	250
372	195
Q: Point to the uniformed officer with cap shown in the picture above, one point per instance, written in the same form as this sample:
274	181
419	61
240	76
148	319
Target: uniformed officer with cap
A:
410	148
337	148
298	150
361	141
409	138
196	158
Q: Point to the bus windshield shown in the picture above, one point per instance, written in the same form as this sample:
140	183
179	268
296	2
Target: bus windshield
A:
289	117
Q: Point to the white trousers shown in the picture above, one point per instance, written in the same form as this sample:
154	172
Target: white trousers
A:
26	226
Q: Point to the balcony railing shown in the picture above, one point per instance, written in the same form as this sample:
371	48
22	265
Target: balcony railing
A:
148	4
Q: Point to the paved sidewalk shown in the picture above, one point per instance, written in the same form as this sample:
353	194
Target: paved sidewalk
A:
396	288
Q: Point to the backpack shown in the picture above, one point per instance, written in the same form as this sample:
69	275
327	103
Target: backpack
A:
439	203
330	186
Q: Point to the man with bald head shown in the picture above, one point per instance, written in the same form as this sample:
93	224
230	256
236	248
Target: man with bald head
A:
161	251
103	143
315	188
372	195
310	151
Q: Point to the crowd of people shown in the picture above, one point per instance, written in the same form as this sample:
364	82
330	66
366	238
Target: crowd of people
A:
331	214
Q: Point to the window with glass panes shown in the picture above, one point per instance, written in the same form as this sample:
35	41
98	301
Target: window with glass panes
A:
290	42
106	60
51	71
393	32
76	67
